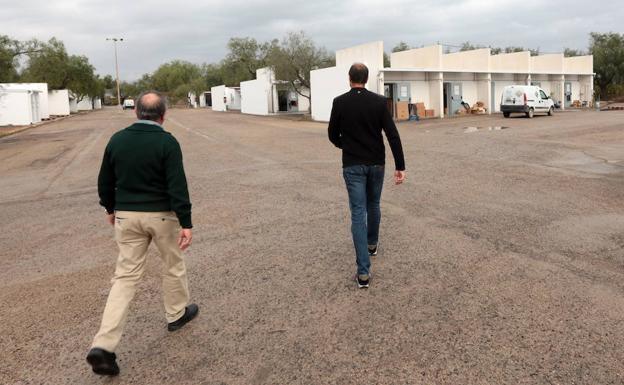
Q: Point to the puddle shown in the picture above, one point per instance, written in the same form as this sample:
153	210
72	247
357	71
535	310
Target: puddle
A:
468	130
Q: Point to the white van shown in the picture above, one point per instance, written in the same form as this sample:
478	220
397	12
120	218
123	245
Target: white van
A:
527	100
128	103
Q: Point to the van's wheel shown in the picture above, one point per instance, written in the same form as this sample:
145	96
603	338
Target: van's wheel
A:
506	114
551	111
530	113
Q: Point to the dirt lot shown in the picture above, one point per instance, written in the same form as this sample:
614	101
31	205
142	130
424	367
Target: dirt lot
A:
501	260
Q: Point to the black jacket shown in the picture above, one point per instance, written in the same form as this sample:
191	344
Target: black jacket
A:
357	119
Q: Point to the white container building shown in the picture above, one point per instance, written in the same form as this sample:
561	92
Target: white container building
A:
225	98
265	96
58	102
20	104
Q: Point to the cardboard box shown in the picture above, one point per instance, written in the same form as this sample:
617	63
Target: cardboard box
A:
420	110
429	113
402	110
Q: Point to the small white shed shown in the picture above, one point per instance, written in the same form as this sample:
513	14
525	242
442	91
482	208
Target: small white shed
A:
265	95
19	105
225	98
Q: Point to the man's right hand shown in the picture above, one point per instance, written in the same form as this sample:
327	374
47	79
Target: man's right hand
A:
399	177
184	241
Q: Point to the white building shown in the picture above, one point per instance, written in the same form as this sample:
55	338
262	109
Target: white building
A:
442	82
225	98
58	102
265	95
20	104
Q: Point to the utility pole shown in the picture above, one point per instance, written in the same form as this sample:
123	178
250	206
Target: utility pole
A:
115	40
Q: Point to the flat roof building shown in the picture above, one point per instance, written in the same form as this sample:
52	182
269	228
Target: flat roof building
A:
429	82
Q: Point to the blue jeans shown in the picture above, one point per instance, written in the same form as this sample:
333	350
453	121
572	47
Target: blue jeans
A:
364	184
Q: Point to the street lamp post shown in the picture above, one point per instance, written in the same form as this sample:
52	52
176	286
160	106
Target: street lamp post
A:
115	40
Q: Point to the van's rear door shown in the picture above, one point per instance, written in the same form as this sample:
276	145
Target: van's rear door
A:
513	96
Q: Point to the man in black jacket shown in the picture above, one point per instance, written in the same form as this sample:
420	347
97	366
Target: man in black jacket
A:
357	120
143	189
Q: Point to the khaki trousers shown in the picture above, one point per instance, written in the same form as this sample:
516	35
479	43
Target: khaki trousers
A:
133	232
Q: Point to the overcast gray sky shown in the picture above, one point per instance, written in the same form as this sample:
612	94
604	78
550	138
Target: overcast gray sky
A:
157	31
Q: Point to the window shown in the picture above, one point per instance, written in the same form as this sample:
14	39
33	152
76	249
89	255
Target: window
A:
543	95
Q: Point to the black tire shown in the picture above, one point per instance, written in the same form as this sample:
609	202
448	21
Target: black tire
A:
551	111
506	114
530	113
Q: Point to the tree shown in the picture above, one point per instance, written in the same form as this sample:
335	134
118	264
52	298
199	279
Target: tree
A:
169	76
386	60
8	59
569	52
401	46
81	79
108	82
467	46
10	52
245	56
213	73
48	64
295	57
608	52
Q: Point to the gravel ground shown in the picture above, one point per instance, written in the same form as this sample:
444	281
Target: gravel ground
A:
501	258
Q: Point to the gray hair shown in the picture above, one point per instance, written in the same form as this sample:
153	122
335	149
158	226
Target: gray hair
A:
153	108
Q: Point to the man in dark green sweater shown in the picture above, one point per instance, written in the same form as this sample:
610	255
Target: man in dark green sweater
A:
143	188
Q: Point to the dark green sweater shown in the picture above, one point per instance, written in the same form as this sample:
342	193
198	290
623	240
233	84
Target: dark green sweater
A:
142	170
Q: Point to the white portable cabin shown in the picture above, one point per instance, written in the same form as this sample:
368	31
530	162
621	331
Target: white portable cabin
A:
265	95
58	102
225	98
20	104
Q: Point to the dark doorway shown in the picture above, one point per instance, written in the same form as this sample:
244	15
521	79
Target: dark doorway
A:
282	101
208	97
389	94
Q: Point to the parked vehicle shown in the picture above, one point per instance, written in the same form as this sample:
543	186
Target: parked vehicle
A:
527	100
128	104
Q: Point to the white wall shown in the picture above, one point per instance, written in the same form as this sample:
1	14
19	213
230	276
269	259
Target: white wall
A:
73	105
97	103
234	99
256	94
474	60
85	104
16	107
41	94
582	65
218	93
44	110
516	62
436	94
255	97
422	58
370	54
58	102
303	103
326	84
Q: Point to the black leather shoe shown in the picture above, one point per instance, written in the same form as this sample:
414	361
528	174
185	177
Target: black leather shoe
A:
103	362
190	313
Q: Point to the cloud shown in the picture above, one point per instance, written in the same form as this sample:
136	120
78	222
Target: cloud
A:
156	32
